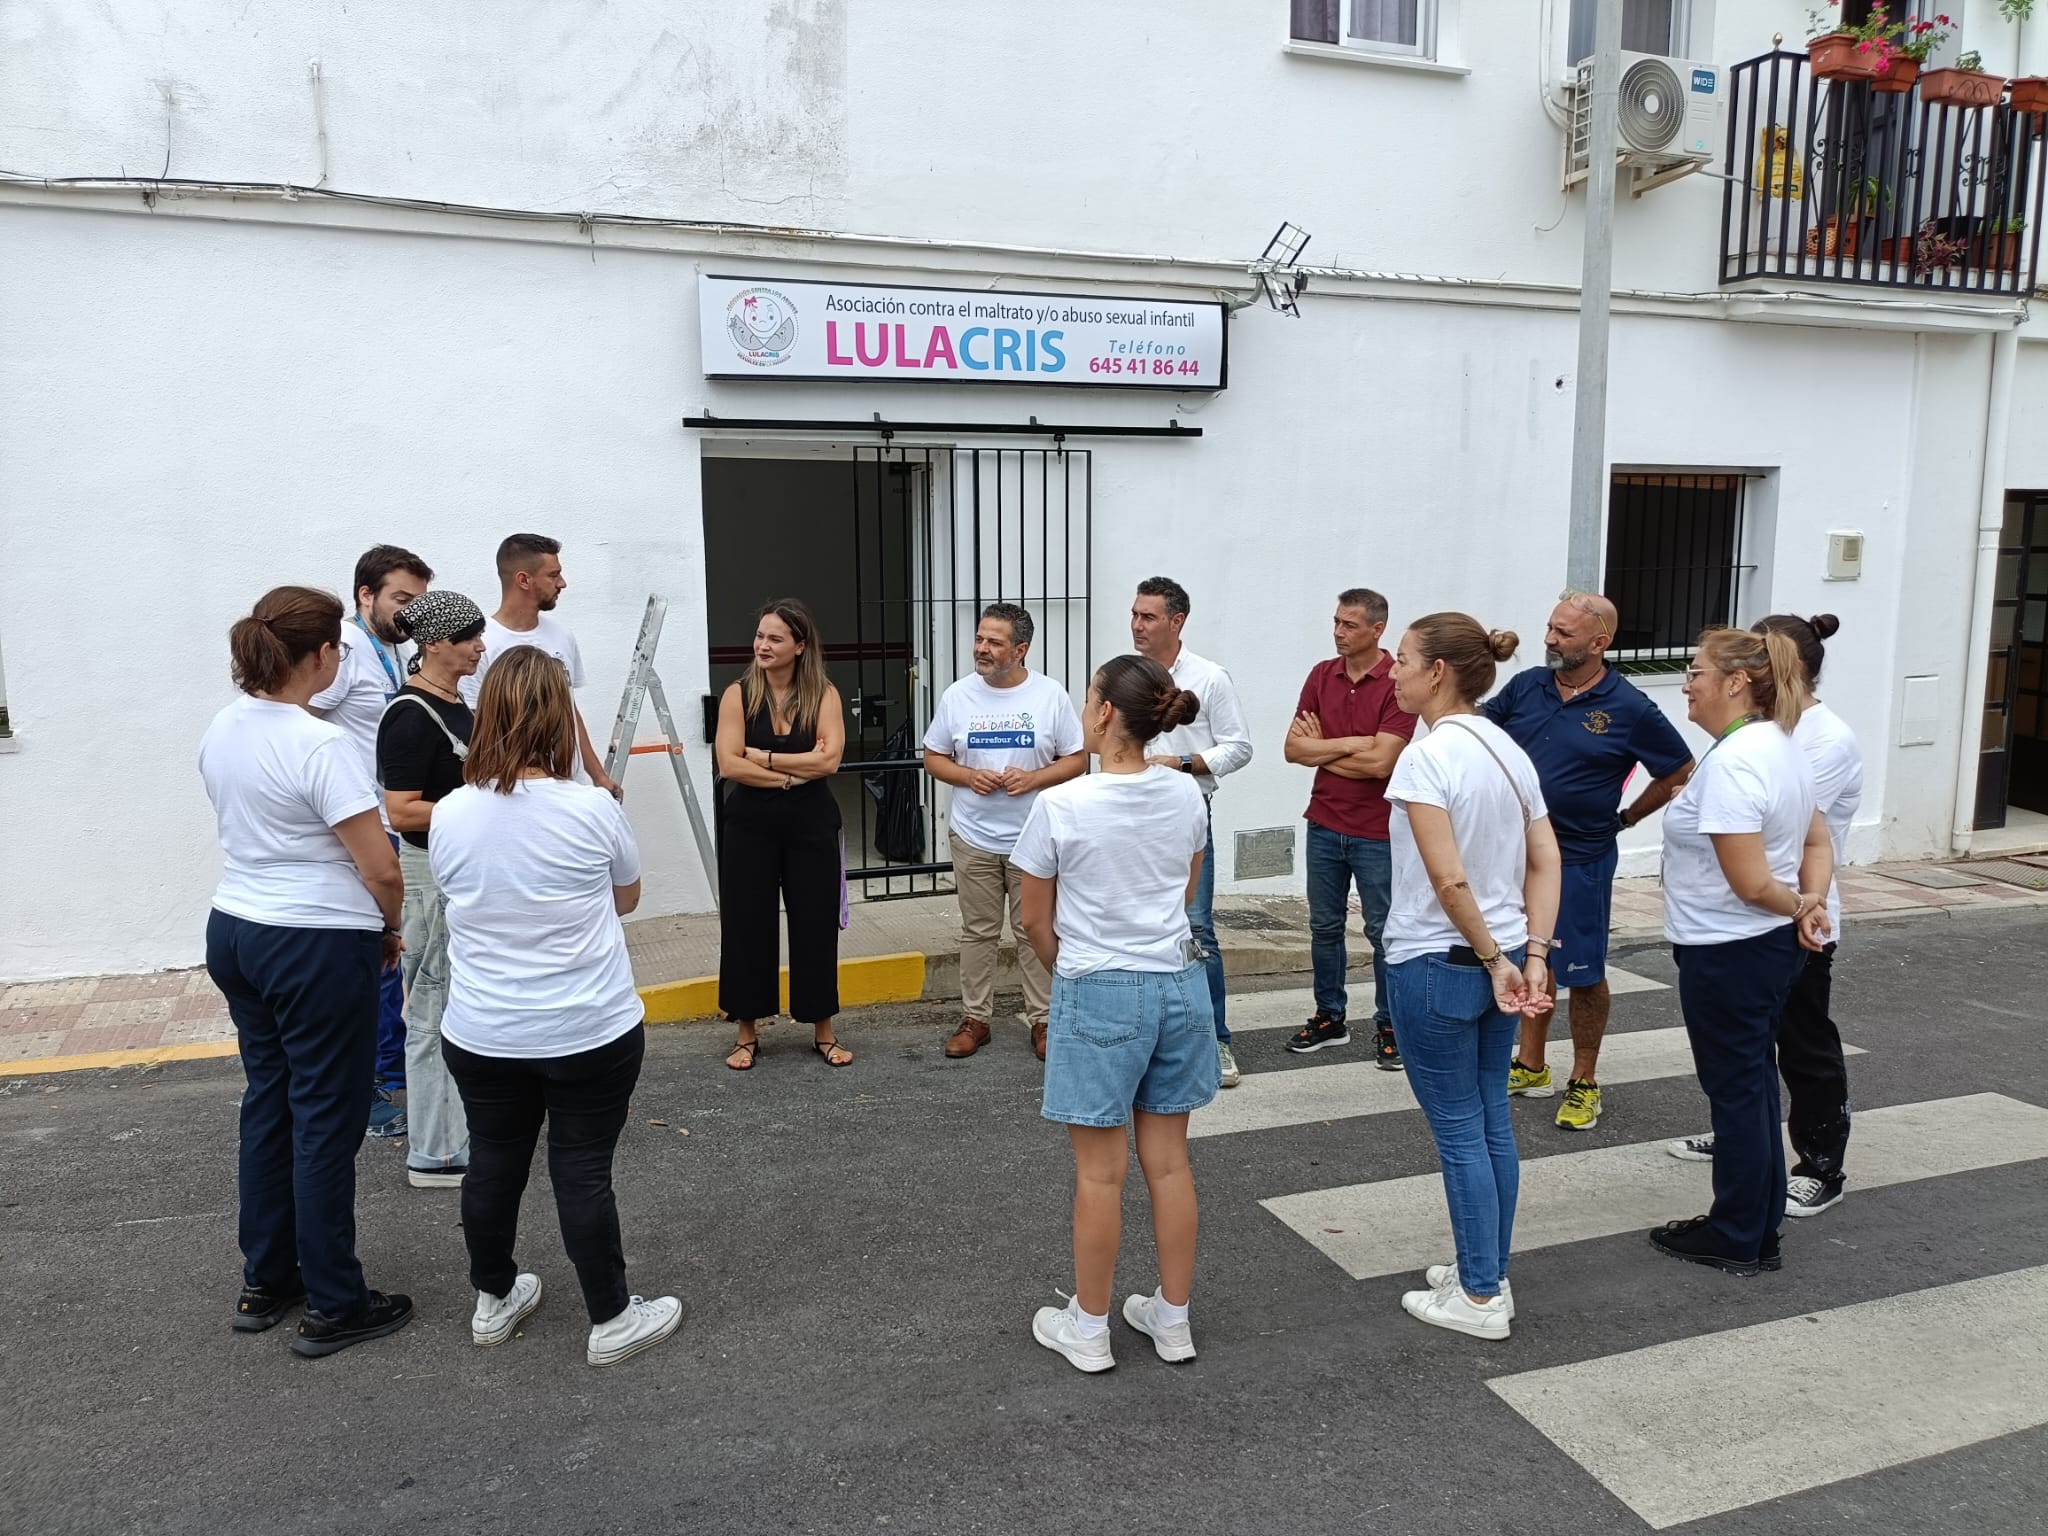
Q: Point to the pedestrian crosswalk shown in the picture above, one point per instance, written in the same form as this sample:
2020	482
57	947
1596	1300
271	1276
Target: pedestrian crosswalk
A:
1251	1012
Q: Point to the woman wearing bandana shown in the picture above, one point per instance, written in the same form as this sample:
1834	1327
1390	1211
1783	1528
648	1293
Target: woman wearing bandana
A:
421	743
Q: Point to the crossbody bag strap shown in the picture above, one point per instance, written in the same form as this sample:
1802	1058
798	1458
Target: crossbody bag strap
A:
1512	784
460	746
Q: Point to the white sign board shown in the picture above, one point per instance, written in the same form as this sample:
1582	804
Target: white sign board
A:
765	328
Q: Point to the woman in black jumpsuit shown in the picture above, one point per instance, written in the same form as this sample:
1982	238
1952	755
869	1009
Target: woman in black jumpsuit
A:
780	734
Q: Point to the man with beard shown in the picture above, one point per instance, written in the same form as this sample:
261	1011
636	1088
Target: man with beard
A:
1585	726
530	583
372	671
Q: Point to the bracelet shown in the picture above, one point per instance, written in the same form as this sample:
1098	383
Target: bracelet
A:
1548	944
1487	960
771	762
396	933
788	779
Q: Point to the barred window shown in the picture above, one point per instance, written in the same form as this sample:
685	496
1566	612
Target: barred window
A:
1674	562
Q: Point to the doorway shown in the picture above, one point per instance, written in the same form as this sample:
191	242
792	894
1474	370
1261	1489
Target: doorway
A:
2012	779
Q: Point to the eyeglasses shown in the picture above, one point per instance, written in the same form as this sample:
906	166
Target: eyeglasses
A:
1586	603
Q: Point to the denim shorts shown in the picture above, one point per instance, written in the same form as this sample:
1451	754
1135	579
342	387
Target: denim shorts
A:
1125	1040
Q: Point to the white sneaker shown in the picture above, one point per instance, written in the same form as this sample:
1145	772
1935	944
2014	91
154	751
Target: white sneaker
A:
1694	1149
1437	1276
1227	1075
497	1316
641	1325
1056	1329
1449	1307
1171	1341
1806	1196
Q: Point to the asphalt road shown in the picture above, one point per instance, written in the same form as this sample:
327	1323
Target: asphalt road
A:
861	1251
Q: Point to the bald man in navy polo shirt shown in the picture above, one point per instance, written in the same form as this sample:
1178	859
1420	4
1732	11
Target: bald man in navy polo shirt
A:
1585	727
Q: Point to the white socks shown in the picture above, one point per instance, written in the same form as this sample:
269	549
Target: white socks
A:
1086	1323
1167	1312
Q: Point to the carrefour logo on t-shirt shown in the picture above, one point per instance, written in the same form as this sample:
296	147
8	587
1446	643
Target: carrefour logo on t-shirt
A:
1002	733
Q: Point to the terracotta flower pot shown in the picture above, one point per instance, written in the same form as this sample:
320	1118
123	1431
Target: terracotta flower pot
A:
1835	57
1836	235
2030	95
1899	75
1961	88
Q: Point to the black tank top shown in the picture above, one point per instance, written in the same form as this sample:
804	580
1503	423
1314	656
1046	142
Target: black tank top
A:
806	797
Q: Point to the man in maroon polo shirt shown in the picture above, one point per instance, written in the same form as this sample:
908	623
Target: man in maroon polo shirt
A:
1349	729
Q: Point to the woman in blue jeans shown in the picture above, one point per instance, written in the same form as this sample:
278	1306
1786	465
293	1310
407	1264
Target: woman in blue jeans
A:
1108	863
1475	871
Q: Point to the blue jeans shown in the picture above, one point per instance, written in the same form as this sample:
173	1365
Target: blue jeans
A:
1202	924
391	1021
1457	1045
304	1004
1334	862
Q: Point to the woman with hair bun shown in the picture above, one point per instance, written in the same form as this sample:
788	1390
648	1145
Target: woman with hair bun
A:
1747	867
1809	1045
304	921
1467	939
1109	862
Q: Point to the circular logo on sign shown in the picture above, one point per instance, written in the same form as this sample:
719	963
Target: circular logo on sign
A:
762	324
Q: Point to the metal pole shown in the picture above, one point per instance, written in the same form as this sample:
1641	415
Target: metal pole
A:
1596	284
6	729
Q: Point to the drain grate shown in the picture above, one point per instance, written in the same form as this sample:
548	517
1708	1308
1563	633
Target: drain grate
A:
2011	872
1937	877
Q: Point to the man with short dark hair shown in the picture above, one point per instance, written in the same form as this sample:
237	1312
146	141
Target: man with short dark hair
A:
998	737
1216	742
1585	727
1349	729
530	583
372	671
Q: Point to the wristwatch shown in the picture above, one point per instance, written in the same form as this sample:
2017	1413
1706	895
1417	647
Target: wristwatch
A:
1187	763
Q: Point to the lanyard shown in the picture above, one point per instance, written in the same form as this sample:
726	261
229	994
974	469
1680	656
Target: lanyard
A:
1732	729
383	659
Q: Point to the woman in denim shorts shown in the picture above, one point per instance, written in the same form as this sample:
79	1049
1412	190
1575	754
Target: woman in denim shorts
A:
1109	862
1475	869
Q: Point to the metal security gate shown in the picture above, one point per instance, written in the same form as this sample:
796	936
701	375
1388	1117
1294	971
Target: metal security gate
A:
940	533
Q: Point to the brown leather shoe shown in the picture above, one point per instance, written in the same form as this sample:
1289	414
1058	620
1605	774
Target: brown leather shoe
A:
970	1037
1038	1040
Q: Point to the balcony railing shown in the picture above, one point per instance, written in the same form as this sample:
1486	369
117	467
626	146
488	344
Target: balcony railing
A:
1838	182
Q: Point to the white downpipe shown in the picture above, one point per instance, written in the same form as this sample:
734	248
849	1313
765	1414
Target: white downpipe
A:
2005	348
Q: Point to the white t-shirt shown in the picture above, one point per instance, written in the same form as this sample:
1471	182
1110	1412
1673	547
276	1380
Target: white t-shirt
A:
1218	734
537	960
1120	845
1753	780
550	634
1026	726
1837	764
1451	768
280	782
370	676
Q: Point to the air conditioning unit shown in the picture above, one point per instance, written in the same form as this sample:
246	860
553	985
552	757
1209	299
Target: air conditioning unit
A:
1671	119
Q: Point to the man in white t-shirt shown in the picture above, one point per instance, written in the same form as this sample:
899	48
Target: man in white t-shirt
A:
530	583
998	738
1216	742
372	671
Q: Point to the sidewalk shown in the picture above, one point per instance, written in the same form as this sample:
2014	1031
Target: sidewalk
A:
895	951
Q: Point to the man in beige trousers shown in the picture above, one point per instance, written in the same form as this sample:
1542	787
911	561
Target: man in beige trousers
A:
998	738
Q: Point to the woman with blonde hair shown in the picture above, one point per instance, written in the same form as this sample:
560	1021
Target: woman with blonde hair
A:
304	920
780	734
1476	874
1747	866
542	1023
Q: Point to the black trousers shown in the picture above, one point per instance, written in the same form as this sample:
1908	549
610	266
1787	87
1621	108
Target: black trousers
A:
583	1100
1733	995
781	849
304	1002
1816	1077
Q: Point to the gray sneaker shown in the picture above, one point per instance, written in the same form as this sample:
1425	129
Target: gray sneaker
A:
1226	1066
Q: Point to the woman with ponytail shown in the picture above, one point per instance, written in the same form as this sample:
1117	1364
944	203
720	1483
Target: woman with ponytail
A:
305	918
1476	874
1109	862
1747	867
1809	1045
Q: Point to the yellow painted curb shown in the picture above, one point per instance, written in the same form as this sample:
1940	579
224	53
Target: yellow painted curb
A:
863	982
198	1050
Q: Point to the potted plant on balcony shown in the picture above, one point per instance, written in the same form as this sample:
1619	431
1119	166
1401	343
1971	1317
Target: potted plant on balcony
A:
1839	231
2030	95
1859	52
1937	251
1966	85
1999	249
1916	38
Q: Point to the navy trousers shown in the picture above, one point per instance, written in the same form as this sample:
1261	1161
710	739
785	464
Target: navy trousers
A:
390	1067
1733	995
304	1002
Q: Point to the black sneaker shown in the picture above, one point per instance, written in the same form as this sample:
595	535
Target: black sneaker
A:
1807	1196
258	1310
1319	1031
1385	1054
323	1335
1693	1241
1769	1258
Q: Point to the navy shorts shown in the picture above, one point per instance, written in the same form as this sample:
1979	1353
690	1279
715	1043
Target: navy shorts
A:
1124	1040
1585	911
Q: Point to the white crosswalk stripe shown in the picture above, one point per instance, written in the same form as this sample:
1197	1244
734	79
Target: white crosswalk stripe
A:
1251	1012
1399	1225
1822	1397
1351	1086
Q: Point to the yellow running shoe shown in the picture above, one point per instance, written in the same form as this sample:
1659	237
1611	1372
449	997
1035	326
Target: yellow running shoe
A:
1535	1082
1580	1110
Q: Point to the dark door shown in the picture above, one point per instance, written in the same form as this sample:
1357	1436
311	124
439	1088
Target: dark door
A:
2014	767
